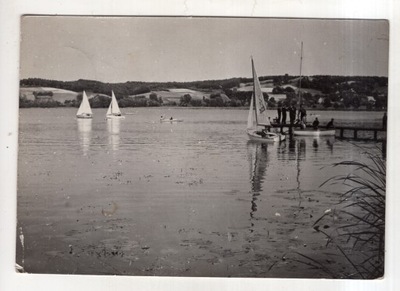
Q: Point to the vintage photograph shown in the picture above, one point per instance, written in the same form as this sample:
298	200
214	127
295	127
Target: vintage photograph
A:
202	147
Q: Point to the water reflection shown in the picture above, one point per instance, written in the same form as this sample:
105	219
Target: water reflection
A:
85	134
315	144
297	148
258	160
113	128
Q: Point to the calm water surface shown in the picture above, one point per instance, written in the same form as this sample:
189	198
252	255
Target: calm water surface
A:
195	198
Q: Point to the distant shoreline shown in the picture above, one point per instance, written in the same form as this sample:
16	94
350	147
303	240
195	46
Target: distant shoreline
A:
216	108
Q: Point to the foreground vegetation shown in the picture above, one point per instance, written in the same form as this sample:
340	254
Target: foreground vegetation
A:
361	239
318	92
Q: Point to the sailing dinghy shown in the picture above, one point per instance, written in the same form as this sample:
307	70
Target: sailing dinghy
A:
84	110
163	119
310	131
257	119
113	111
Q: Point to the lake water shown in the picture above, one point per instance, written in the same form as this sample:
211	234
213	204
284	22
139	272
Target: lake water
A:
195	198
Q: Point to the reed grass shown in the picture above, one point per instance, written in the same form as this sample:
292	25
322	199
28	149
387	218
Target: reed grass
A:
361	239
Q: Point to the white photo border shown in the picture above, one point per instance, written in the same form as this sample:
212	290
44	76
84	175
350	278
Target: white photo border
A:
10	17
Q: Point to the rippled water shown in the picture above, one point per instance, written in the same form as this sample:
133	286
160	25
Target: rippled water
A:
195	198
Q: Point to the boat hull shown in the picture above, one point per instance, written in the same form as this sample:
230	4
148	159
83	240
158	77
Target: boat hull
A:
315	132
115	117
171	120
84	116
271	137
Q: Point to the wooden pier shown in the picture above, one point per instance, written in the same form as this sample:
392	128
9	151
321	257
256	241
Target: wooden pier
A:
356	130
340	131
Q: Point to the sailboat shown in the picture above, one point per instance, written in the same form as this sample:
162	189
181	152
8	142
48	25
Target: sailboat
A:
113	111
257	118
310	131
84	110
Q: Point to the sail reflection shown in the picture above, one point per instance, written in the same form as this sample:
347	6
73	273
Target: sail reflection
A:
258	159
85	134
113	128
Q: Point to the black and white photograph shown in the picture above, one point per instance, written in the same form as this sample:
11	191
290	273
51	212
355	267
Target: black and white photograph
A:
206	146
186	145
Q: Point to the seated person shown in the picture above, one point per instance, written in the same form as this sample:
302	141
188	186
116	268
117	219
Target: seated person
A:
315	123
264	132
330	124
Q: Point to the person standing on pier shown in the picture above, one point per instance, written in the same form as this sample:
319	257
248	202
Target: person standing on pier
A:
302	114
279	112
292	114
284	109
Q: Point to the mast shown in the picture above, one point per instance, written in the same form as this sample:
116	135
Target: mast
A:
301	64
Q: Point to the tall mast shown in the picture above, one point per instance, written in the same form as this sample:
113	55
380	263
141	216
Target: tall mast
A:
301	64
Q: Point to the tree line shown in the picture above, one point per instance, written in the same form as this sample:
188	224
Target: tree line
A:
338	92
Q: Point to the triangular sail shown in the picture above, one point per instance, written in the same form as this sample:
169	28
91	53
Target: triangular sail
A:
259	103
114	103
84	108
113	109
250	117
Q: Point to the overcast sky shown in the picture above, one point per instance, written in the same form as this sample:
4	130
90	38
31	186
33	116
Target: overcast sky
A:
121	49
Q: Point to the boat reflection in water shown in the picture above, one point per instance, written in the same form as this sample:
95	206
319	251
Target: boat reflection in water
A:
85	133
258	160
113	128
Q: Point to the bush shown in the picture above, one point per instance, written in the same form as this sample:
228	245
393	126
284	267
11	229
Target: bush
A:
196	102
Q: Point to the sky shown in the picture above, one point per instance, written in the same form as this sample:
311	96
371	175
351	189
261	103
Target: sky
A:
161	49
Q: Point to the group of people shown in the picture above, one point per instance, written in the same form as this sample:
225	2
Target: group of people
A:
282	114
301	117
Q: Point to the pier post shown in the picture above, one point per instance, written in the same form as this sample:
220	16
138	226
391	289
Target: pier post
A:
375	135
341	132
355	133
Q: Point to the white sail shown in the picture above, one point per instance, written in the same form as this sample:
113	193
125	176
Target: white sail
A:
84	108
258	108
250	117
113	109
259	103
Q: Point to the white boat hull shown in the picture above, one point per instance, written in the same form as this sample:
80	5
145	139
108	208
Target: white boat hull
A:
115	117
171	120
84	116
271	137
315	132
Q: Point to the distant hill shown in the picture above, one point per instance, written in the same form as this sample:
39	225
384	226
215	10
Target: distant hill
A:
316	91
57	94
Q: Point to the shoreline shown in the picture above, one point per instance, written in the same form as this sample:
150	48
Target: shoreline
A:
219	108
